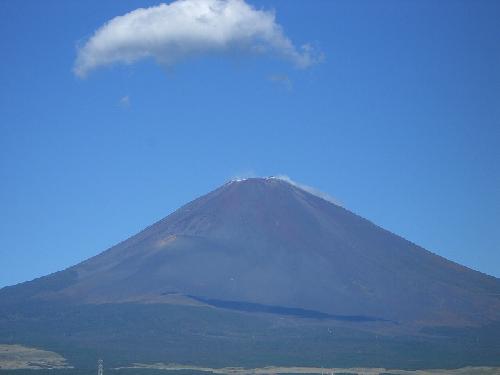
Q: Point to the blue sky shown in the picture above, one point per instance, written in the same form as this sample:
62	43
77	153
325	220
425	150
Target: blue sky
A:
399	121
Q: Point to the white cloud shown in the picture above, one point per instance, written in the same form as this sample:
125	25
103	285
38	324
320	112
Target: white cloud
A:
309	189
282	79
285	178
125	101
170	32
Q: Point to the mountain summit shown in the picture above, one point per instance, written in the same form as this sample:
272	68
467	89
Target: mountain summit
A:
264	244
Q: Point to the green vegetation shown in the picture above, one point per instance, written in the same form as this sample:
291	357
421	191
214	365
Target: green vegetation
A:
152	333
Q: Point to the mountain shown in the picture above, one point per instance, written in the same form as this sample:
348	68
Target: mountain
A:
263	248
266	241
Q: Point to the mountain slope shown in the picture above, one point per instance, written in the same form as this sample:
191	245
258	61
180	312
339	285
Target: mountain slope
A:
266	242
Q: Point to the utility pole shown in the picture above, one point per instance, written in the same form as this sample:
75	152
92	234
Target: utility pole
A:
100	370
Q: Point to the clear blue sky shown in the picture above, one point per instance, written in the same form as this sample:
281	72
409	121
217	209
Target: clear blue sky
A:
400	122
